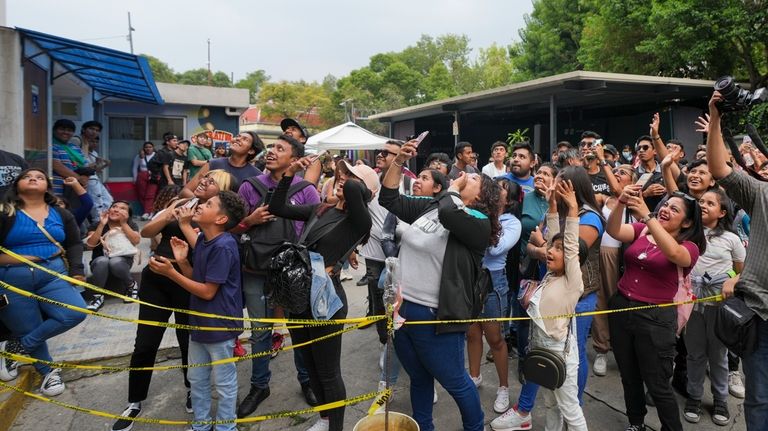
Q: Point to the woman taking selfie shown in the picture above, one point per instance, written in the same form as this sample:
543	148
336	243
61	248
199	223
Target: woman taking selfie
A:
662	249
33	226
441	253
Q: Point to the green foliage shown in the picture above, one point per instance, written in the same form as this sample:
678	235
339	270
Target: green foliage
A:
292	99
160	70
253	82
519	135
200	77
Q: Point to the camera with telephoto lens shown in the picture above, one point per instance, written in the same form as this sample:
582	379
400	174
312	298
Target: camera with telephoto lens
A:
736	98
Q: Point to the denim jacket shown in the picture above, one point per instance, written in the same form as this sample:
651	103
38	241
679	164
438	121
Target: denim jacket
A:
322	298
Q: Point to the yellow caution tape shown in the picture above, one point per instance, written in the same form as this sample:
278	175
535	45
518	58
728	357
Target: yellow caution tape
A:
74	281
713	298
269	416
383	398
27	359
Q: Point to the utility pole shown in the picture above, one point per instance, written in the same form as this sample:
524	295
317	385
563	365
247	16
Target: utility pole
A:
209	61
130	32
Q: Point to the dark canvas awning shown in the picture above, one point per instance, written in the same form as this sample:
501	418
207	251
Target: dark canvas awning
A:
109	72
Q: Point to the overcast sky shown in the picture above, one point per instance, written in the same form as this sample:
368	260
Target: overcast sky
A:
291	40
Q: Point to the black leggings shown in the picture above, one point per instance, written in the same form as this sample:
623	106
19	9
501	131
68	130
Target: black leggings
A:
159	290
323	360
373	270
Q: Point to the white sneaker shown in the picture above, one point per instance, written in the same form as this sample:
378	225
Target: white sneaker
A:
52	383
8	367
600	366
344	276
511	421
381	357
477	380
735	384
320	425
434	397
501	404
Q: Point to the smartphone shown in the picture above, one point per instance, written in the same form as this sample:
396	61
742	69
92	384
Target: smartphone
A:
644	179
192	202
748	160
317	156
421	137
268	197
596	143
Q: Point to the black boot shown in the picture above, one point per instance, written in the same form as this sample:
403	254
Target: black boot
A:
309	395
252	401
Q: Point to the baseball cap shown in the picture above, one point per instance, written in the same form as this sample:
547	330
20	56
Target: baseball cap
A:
288	122
366	174
611	149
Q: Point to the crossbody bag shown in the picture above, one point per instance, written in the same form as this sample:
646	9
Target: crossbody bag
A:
62	252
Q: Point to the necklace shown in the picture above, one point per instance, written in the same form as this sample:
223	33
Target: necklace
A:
644	254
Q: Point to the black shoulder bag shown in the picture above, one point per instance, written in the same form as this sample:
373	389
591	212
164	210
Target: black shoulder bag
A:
545	367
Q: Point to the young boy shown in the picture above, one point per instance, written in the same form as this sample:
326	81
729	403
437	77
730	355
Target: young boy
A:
214	283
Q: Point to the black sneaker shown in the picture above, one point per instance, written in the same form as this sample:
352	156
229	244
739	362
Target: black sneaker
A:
131	411
635	428
720	414
489	356
309	395
132	291
8	367
363	281
188	405
252	401
96	302
692	411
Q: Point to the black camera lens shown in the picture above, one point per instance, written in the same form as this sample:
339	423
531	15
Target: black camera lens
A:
727	87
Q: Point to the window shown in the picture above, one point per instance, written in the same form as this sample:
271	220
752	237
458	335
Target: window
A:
68	108
126	137
159	126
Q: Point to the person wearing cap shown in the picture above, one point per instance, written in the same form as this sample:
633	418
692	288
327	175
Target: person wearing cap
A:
67	157
243	149
199	152
293	128
611	155
350	223
88	141
165	157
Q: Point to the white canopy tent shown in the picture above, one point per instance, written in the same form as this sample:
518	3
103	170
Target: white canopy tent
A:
347	136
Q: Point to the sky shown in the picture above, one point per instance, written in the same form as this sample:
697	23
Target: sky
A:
290	40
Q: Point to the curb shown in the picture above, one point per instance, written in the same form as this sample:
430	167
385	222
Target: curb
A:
13	402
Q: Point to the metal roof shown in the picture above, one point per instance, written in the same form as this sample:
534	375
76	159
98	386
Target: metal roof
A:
204	95
110	73
580	88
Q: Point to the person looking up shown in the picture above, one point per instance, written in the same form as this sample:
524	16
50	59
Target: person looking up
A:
497	167
463	156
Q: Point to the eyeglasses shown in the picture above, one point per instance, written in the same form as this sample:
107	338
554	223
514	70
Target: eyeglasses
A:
437	165
620	172
585	144
385	153
684	196
643	147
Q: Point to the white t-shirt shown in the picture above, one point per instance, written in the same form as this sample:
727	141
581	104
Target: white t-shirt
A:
423	247
491	170
721	252
609	241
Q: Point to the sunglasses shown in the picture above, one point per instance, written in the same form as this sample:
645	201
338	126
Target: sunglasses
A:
684	196
385	153
643	147
438	165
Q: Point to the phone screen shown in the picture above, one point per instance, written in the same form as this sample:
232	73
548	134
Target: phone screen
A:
643	179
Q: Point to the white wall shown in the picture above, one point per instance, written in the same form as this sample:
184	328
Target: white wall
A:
11	95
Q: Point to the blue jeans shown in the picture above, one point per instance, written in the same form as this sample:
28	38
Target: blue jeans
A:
225	378
527	398
583	325
24	316
256	303
427	356
756	380
496	301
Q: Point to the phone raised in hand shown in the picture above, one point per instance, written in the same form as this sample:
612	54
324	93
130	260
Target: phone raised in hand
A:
643	180
421	137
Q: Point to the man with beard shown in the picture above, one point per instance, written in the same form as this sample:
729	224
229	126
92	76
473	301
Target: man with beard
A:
520	169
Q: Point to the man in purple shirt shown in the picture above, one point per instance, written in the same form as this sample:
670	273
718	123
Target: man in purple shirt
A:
285	151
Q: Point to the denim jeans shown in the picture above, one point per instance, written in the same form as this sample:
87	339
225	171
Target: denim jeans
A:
496	301
756	380
256	303
428	356
583	324
24	316
225	380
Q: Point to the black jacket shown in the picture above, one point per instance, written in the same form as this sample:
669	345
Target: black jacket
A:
470	235
72	243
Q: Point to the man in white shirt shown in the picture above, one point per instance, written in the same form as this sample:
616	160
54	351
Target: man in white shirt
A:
498	155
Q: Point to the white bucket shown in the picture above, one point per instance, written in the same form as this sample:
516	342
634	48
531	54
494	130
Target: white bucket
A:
397	422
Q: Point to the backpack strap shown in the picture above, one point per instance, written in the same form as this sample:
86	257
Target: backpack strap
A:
263	190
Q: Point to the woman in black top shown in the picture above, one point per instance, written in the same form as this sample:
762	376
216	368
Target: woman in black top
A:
338	228
160	290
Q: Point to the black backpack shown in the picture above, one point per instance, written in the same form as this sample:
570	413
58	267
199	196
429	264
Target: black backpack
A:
261	241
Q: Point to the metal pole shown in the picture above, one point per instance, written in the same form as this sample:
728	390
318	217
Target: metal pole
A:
130	32
552	124
209	61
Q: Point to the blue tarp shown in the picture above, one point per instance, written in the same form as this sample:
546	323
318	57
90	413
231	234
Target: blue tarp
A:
109	72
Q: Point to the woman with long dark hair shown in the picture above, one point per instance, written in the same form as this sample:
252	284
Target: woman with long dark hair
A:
662	250
33	226
158	289
496	303
441	255
337	229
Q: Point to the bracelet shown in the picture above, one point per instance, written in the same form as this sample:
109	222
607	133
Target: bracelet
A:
394	162
242	225
656	138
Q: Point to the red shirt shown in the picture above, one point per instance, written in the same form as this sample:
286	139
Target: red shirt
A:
654	278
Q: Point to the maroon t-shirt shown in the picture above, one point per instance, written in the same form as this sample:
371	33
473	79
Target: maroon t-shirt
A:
654	278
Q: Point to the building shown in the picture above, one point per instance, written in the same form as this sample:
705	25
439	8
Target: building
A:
617	106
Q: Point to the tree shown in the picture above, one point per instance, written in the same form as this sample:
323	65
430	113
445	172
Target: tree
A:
200	77
293	99
253	82
494	67
160	70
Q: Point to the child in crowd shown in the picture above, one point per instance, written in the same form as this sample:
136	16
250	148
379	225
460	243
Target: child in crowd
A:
214	282
556	295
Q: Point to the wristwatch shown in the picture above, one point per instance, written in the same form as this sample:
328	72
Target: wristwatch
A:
647	218
603	162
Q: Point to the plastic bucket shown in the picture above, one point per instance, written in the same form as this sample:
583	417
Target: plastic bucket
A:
397	422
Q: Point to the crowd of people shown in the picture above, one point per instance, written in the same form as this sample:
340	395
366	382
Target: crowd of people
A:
594	229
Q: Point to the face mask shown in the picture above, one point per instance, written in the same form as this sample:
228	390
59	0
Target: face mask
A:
627	155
